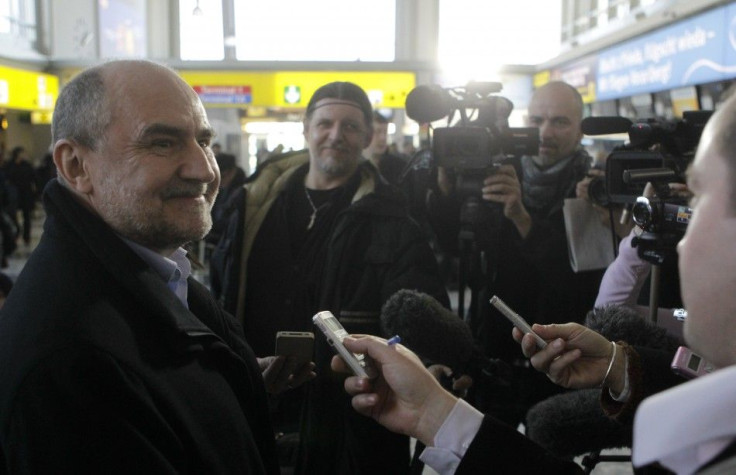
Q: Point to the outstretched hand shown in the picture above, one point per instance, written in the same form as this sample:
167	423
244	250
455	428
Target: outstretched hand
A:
403	396
575	357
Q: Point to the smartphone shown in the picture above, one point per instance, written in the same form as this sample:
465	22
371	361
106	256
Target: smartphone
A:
335	333
298	345
690	365
516	319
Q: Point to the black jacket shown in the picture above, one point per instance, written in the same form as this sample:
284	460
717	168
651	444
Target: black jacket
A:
373	250
104	370
532	274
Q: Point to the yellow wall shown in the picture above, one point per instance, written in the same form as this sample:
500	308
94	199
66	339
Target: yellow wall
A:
27	90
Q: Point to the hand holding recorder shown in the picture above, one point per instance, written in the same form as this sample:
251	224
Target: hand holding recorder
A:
576	357
403	396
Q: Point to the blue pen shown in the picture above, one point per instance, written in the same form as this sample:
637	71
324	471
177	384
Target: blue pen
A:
393	340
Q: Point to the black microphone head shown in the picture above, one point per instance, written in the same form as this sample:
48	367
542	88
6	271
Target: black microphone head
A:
619	322
605	125
428	103
427	328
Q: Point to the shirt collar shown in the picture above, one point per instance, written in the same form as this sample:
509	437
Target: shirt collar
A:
174	270
687	426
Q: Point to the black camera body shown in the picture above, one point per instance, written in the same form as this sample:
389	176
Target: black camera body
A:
655	215
658	152
663	223
472	146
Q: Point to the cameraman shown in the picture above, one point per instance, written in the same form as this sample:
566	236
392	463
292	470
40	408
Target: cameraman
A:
520	248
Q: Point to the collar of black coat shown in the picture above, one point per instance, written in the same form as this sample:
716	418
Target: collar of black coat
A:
277	173
125	267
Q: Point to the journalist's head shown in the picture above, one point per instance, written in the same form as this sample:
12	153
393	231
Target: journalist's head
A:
707	252
557	109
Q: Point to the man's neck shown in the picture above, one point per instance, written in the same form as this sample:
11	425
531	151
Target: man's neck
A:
543	164
320	181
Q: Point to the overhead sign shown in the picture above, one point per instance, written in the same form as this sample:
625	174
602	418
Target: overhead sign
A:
224	94
279	89
689	52
292	94
579	74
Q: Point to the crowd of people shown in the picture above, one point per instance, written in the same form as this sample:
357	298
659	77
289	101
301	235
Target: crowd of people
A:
122	361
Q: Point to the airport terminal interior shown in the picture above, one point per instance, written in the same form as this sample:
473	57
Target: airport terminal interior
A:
255	64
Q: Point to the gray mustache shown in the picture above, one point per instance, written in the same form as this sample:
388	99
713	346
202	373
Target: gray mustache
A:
185	191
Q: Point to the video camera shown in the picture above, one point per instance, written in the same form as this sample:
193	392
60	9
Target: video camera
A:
477	142
658	152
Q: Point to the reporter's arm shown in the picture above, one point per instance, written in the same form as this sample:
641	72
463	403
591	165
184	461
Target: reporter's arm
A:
406	398
648	372
624	277
403	396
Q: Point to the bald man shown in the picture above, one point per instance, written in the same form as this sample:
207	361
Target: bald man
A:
521	244
113	359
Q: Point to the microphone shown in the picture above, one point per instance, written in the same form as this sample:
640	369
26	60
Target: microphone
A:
427	103
605	125
438	335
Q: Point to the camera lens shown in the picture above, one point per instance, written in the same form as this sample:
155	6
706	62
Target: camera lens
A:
642	212
597	191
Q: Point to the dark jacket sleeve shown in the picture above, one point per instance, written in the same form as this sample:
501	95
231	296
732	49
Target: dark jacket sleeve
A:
649	373
499	448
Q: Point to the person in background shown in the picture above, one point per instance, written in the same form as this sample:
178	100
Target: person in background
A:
388	165
320	230
233	178
21	175
519	245
45	171
113	359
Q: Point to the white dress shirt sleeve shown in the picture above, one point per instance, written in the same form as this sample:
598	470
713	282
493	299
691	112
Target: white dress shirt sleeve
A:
453	439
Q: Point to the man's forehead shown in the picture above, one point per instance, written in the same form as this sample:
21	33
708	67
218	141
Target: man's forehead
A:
553	101
552	108
327	102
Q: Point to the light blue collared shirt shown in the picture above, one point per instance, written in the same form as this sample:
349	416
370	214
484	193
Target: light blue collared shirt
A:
174	270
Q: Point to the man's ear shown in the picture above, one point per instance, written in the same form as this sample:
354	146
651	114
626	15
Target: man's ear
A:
71	164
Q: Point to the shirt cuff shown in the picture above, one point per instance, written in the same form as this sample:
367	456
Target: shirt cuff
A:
453	438
626	392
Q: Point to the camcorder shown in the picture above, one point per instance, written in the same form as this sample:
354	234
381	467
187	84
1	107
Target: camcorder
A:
657	152
478	139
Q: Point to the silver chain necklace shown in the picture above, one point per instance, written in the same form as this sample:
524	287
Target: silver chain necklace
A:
314	209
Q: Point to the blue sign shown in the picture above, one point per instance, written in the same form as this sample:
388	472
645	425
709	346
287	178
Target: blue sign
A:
695	51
